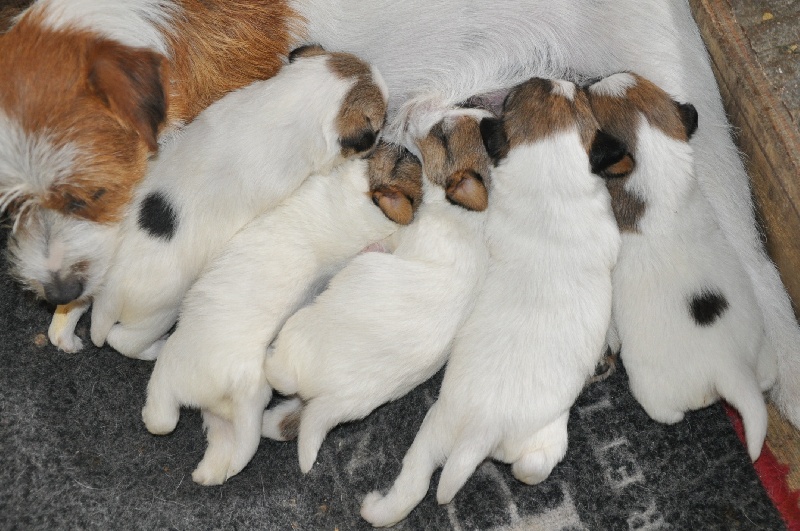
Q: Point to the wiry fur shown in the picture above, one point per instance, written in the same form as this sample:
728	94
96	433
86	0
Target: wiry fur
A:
676	253
386	321
214	359
538	325
448	51
240	157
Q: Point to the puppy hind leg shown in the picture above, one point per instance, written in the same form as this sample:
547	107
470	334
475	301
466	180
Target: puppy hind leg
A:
247	430
548	448
464	459
213	468
739	387
137	341
423	457
161	410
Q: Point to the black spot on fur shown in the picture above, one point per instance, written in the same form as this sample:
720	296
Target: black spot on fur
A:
494	138
360	143
707	306
157	217
688	117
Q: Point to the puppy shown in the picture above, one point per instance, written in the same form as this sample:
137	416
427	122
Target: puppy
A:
538	326
685	313
99	70
214	359
240	157
385	322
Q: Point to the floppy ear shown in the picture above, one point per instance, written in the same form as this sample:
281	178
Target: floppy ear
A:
688	117
131	83
494	138
609	157
394	203
467	189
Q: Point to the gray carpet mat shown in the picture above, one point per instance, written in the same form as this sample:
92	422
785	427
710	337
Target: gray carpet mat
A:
75	455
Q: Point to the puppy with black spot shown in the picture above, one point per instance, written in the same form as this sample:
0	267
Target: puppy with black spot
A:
214	360
539	323
385	323
684	312
239	158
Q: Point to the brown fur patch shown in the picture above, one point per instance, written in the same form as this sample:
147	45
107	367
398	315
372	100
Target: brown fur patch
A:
363	111
289	426
309	50
534	110
454	157
628	208
395	182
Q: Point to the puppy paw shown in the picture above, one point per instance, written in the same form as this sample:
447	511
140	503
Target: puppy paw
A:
534	467
159	422
207	474
67	342
376	510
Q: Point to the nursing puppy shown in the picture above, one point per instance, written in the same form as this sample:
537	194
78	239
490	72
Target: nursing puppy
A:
386	321
240	157
214	360
539	323
685	313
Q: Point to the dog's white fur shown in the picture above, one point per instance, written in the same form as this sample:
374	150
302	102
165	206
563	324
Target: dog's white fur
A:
385	322
535	334
214	360
675	364
239	158
451	50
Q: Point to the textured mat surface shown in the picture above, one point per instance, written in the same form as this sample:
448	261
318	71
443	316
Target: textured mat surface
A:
75	455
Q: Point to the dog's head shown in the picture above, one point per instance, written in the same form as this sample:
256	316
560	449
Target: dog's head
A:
395	182
79	116
361	114
454	158
655	130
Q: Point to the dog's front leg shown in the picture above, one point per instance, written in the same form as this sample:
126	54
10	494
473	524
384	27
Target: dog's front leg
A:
62	326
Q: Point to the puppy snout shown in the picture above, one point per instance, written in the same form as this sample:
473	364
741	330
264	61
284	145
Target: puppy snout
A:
63	290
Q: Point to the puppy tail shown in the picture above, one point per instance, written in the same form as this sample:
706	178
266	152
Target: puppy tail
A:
316	421
410	487
740	389
282	422
465	458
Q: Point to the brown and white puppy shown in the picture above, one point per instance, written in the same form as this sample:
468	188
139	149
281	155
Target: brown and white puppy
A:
239	158
214	360
385	323
539	323
684	311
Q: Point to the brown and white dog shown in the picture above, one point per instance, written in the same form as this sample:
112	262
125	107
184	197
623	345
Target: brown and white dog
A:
76	127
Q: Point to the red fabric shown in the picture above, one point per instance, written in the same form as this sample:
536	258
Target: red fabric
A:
773	476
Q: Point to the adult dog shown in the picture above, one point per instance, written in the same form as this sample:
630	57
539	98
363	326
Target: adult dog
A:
68	103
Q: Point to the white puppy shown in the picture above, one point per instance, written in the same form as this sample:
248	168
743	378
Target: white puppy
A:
214	359
386	321
240	157
685	312
539	323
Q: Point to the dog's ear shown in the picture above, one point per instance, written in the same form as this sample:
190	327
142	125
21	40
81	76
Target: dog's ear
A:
309	50
494	137
609	156
131	83
394	203
688	117
467	189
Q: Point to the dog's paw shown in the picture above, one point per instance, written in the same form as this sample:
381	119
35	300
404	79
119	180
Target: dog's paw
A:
377	510
209	473
68	342
159	422
534	467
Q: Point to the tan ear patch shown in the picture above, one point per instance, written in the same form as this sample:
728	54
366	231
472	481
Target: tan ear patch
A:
363	111
395	177
455	158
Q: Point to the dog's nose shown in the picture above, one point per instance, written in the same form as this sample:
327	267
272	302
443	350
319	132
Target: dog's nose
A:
63	290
